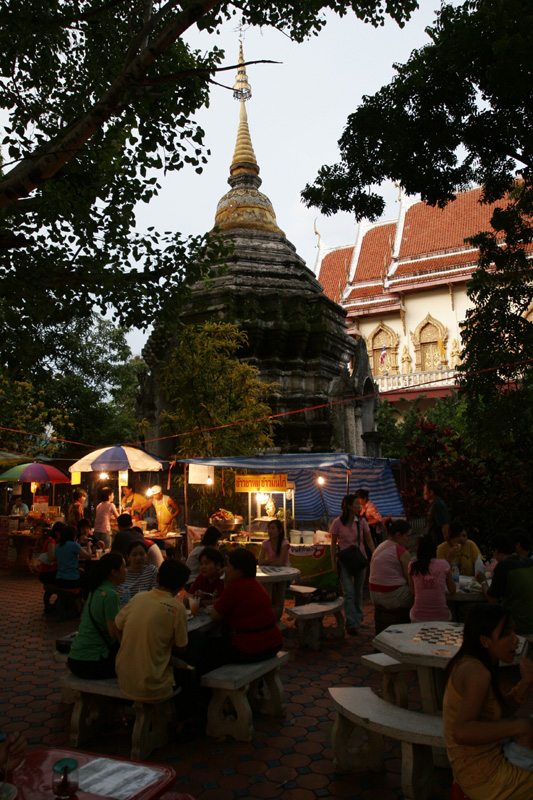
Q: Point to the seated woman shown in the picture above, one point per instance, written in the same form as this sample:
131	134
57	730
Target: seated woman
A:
67	553
140	576
389	569
246	608
209	539
275	550
459	549
48	569
429	577
95	646
208	585
474	705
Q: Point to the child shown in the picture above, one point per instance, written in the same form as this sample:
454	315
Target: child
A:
208	585
275	551
429	578
86	536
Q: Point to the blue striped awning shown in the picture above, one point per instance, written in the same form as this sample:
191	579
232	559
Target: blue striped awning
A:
339	470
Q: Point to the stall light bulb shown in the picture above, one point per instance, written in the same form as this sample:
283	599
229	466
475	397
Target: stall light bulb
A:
320	480
149	493
261	498
209	481
104	476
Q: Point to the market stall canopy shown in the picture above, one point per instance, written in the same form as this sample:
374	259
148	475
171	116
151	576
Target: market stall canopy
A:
373	474
35	473
10	458
119	458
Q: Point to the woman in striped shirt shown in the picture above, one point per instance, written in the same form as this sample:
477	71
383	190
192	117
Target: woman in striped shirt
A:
140	576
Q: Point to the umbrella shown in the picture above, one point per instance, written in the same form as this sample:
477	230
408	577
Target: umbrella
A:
35	473
10	458
118	458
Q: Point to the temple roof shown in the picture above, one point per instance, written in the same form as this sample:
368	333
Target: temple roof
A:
424	246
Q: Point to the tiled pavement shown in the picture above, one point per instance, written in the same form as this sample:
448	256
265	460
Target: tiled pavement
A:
289	759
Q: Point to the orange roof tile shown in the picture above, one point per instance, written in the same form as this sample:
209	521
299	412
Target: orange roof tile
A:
335	268
375	255
364	291
437	263
428	229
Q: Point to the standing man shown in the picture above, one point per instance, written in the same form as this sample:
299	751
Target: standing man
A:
512	582
131	501
166	509
437	517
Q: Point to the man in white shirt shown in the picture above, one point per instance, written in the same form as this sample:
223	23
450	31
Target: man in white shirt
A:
20	509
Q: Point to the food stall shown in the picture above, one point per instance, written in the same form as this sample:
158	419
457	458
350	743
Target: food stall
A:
320	481
20	536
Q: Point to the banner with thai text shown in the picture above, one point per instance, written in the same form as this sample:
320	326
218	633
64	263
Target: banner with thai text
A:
261	483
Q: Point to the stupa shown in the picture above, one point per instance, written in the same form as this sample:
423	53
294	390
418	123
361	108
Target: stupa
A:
297	336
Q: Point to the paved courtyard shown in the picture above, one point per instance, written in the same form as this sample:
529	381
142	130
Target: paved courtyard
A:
289	759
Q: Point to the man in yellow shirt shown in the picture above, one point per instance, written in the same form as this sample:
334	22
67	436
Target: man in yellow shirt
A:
459	549
131	501
166	509
150	627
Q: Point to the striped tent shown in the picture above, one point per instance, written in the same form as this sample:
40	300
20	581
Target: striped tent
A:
338	470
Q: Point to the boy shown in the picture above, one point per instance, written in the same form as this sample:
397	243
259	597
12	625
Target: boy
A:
209	585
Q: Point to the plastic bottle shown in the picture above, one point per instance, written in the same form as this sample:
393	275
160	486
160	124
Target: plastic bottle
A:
455	573
126	595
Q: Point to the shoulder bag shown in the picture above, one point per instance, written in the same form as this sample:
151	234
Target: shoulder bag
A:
352	557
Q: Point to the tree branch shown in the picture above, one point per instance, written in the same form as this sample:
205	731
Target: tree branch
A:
200	72
63	21
35	171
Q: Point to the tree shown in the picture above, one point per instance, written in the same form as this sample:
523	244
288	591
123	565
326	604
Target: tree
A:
98	96
28	423
207	387
95	379
497	335
460	110
89	382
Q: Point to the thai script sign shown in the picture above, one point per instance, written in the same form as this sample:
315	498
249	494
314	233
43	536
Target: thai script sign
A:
261	483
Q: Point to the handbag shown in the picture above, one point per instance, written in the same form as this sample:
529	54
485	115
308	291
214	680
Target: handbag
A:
352	557
42	558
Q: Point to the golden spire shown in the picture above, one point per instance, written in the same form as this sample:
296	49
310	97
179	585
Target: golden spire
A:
244	157
244	206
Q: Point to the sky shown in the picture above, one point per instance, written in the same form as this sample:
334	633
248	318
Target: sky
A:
296	115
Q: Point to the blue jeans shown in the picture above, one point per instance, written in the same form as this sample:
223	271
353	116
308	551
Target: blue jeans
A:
352	586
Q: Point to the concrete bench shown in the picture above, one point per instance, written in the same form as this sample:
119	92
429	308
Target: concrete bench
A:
302	594
359	708
384	617
236	695
89	715
394	683
68	603
310	619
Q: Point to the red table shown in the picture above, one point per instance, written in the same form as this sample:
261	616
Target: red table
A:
33	777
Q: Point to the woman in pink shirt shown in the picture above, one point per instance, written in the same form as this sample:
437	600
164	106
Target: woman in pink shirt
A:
105	511
351	529
389	568
275	550
429	577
